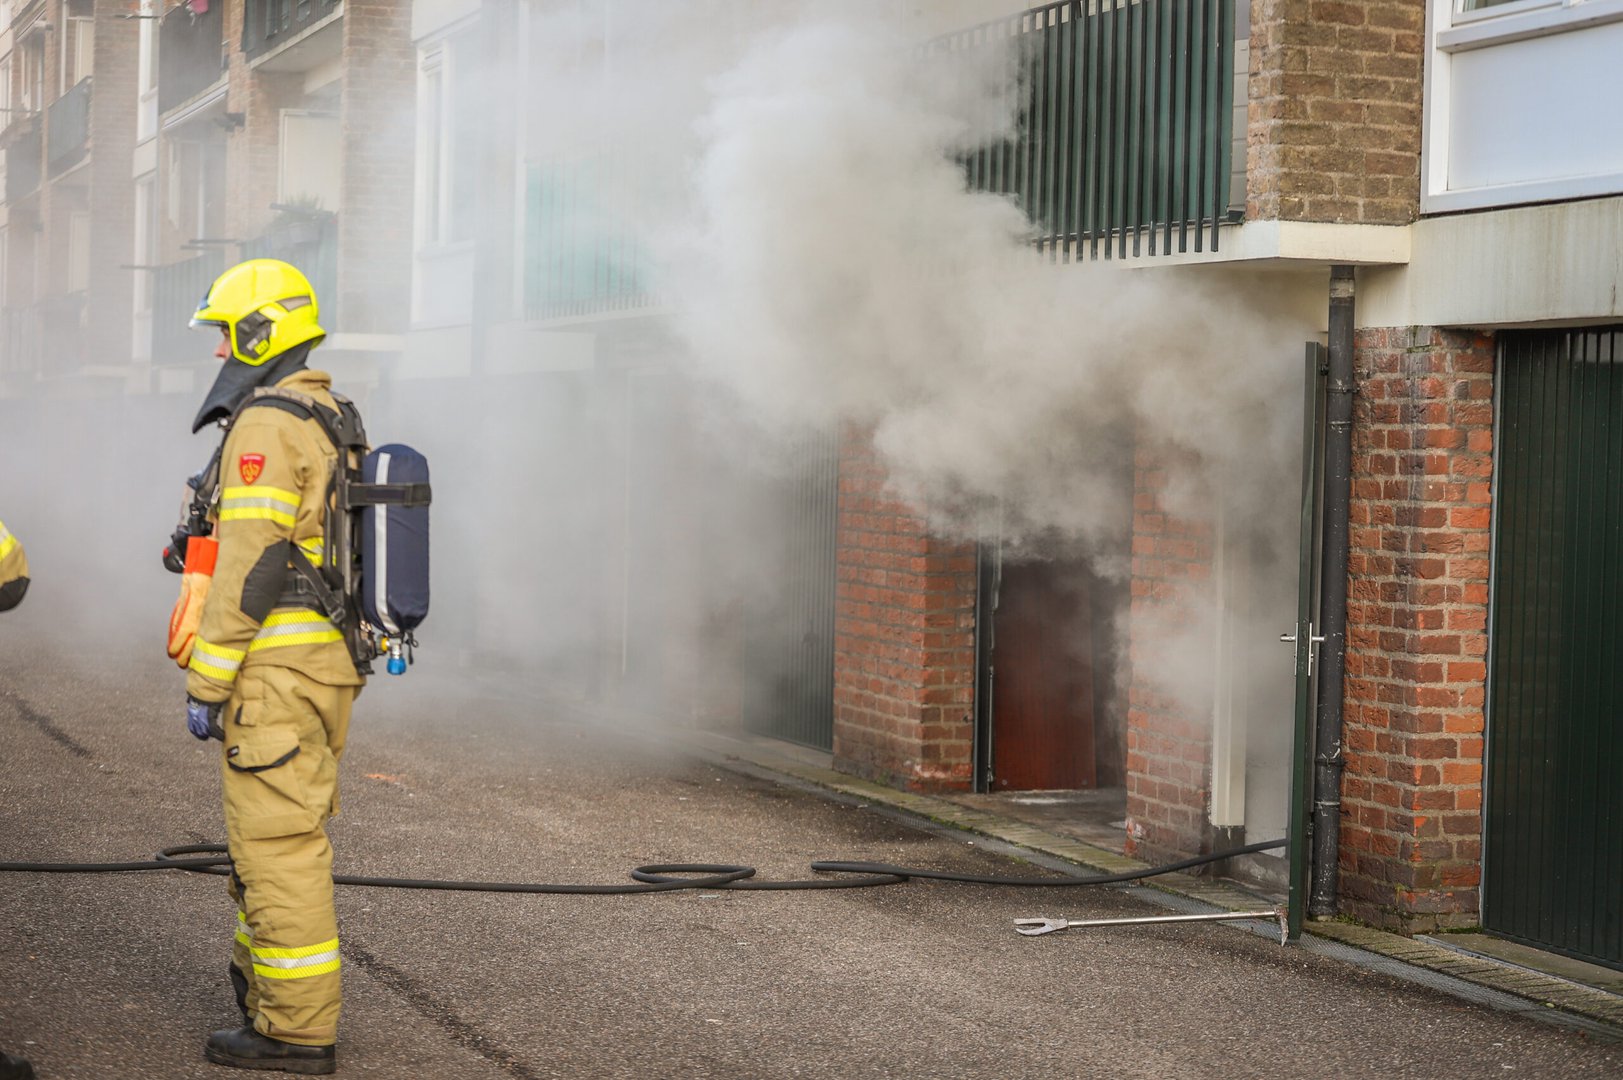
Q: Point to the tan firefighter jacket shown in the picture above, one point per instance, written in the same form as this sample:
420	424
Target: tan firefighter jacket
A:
13	570
274	473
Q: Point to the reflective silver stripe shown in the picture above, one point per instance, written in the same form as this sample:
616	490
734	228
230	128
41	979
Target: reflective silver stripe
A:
380	557
216	656
295	962
314	626
259	504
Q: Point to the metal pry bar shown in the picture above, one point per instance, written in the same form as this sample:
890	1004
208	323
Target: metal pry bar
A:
1036	927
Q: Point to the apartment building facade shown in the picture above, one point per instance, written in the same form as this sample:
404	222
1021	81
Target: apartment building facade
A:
1459	162
1453	159
67	80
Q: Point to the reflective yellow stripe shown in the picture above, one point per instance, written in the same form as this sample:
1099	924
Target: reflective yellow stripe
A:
216	661
295	626
258	513
265	971
303	962
314	549
270	952
259	504
244	935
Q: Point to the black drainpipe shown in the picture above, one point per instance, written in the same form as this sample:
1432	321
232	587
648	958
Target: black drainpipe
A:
1328	760
986	585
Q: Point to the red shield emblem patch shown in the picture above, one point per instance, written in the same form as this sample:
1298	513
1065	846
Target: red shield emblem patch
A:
250	466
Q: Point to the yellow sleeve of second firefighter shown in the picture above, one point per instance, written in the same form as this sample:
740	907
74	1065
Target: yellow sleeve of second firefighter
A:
13	570
268	482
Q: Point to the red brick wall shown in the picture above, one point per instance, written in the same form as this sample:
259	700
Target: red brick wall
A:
253	151
1168	739
1333	117
379	107
1417	627
112	200
904	637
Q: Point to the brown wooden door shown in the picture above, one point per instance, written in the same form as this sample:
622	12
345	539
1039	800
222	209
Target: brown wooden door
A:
1043	701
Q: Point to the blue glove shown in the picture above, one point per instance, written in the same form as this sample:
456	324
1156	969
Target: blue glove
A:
203	718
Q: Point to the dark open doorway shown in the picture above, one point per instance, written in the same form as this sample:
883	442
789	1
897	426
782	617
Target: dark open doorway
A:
1056	718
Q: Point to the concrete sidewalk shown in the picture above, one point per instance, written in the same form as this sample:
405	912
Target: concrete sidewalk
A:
121	976
1514	987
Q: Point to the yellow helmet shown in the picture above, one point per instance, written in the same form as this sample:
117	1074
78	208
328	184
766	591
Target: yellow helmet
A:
265	307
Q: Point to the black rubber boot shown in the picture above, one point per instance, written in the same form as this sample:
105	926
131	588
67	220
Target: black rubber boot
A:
15	1068
240	986
245	1048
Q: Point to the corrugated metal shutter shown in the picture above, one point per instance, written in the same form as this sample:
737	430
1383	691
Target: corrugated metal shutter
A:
1553	859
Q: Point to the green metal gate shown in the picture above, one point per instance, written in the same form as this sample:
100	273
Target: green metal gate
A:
789	635
1553	854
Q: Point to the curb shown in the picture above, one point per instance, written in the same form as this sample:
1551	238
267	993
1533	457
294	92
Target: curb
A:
1589	1003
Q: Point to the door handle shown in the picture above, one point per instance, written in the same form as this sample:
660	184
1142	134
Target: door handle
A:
1312	640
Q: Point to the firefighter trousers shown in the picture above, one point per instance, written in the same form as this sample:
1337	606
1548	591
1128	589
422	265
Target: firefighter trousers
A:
284	734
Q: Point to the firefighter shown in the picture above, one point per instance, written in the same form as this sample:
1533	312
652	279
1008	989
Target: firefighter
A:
271	675
13	570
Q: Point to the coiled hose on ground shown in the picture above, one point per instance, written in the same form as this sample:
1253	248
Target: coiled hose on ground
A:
656	877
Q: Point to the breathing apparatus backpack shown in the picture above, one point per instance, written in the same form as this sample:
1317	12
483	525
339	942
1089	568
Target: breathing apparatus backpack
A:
373	579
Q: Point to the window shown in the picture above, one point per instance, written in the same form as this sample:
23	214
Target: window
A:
1477	23
195	203
431	133
146	78
33	84
78	44
145	256
79	251
1520	103
446	129
311	150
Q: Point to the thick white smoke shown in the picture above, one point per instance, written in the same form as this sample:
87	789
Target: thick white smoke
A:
825	260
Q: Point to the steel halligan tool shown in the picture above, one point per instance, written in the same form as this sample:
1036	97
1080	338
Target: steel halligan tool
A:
1035	927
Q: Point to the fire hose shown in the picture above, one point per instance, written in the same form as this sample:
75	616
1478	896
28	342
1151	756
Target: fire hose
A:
671	877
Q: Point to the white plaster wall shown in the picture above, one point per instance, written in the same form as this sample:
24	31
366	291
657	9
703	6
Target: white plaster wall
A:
1528	265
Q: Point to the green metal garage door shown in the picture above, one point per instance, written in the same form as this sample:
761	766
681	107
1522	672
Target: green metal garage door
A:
1553	862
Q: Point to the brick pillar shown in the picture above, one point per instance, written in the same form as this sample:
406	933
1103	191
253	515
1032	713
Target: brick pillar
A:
112	196
379	137
1168	736
1333	116
904	637
1417	627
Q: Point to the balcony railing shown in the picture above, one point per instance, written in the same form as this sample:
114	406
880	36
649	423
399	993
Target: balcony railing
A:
1126	123
191	53
176	291
19	341
24	166
47	338
177	288
269	23
67	128
580	257
308	240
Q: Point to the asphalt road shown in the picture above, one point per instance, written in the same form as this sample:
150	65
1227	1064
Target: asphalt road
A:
115	976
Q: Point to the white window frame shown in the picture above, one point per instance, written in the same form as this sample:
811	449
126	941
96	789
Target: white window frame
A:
146	257
433	166
1450	30
32	95
76	61
146	83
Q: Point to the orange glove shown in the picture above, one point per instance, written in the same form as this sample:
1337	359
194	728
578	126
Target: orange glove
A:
194	589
